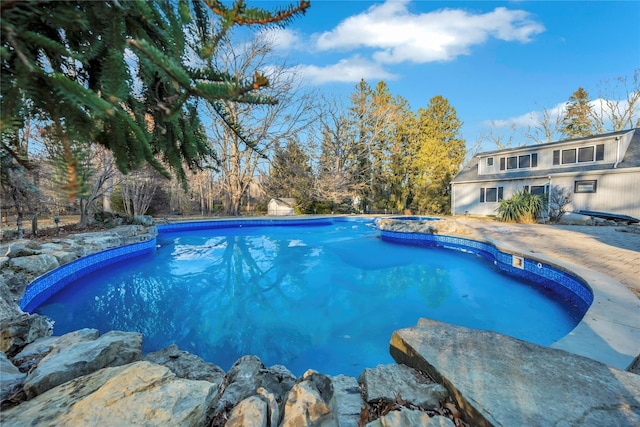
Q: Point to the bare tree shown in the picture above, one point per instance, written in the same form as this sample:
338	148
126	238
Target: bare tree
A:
619	104
502	135
204	191
138	188
268	124
339	156
559	199
547	125
105	177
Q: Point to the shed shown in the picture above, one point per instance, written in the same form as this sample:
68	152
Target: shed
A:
280	207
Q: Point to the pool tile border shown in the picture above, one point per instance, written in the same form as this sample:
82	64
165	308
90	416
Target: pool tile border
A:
232	223
563	283
53	281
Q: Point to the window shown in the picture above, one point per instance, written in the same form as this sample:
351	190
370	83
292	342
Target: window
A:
568	156
489	161
585	154
581	155
585	186
519	162
491	194
538	189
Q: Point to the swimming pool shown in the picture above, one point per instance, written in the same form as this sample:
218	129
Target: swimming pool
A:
323	294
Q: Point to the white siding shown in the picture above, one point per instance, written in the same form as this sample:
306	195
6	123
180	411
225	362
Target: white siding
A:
466	197
617	191
276	207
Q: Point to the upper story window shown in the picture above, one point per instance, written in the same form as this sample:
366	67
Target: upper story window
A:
591	153
519	162
489	161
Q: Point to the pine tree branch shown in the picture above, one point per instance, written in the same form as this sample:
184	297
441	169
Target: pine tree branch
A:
22	161
256	16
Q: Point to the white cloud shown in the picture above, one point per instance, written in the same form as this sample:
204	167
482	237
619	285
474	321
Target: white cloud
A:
530	119
602	108
398	36
283	38
348	70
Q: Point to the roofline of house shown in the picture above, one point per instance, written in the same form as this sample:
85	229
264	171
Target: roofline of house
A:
553	174
546	144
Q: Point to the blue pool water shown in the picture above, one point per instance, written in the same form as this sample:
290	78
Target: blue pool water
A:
326	297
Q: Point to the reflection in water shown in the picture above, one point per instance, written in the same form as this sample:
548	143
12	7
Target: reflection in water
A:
326	298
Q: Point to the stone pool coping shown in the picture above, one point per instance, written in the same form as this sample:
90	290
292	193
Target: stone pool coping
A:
610	329
607	332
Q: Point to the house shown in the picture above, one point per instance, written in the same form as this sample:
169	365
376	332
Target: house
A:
601	173
280	207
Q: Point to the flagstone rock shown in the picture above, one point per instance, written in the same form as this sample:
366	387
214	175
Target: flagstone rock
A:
145	220
273	409
408	417
29	357
8	306
246	376
503	381
52	247
64	257
16	282
35	265
16	250
32	354
391	382
11	379
440	226
21	329
140	393
186	365
349	401
81	358
251	412
311	403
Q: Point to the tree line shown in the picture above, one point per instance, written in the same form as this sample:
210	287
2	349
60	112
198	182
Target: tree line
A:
373	155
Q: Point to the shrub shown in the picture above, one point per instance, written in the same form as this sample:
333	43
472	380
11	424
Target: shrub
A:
521	207
559	202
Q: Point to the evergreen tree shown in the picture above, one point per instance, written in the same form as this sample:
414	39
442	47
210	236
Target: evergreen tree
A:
291	176
360	120
403	151
375	115
125	74
440	151
578	120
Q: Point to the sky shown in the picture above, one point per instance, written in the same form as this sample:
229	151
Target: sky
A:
496	63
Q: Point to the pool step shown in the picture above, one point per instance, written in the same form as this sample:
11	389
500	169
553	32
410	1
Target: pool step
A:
502	381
